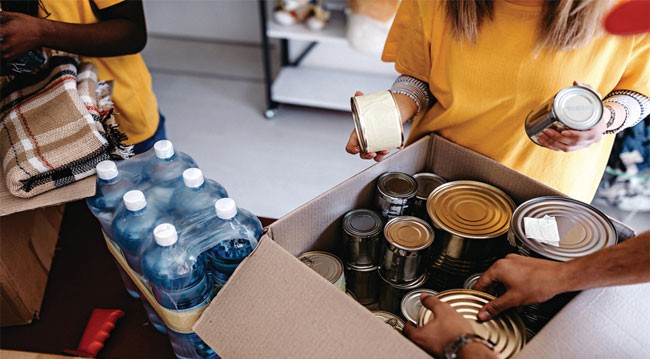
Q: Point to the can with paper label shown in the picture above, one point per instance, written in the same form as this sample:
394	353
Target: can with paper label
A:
377	122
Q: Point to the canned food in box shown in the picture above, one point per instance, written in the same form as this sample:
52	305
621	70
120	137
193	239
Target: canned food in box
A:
506	331
327	265
407	239
361	236
363	282
395	193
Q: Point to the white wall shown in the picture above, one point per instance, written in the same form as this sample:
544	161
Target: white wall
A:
225	20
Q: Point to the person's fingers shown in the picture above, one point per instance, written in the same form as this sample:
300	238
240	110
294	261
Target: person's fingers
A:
560	140
358	93
352	146
409	330
487	279
380	155
578	83
367	156
547	142
431	302
493	308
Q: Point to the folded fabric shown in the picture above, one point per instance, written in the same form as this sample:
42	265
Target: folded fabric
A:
51	129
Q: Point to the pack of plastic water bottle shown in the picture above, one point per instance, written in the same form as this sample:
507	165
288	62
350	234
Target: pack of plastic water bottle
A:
179	233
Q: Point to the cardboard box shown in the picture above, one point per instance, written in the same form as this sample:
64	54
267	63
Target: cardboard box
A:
29	230
13	354
275	307
27	243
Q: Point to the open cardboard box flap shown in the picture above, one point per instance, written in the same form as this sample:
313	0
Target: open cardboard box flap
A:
275	307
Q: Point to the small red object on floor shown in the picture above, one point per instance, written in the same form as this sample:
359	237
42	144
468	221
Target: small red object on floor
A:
98	329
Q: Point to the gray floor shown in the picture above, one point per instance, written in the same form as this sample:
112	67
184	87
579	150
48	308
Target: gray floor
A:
212	96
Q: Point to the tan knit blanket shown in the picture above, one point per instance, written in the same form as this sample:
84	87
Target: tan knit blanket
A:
51	129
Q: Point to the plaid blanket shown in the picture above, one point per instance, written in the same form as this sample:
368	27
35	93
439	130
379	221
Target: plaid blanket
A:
52	132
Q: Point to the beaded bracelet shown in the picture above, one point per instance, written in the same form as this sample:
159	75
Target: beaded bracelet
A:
415	89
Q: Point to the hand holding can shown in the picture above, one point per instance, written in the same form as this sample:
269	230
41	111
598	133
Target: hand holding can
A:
378	125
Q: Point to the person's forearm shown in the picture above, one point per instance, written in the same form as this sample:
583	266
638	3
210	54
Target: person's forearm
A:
113	37
625	263
407	107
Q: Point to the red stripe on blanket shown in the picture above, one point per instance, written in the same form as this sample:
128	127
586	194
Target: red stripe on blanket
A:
57	82
37	147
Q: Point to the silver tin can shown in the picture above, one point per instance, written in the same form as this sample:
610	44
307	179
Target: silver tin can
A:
327	265
405	249
362	237
395	193
363	282
411	304
389	318
391	294
573	108
377	122
427	182
582	228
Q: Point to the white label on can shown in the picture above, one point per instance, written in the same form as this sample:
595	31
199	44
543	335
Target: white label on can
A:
543	230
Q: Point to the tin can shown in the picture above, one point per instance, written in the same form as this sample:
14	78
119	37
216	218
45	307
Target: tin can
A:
573	108
496	289
363	282
411	304
471	220
391	294
327	265
407	239
583	229
362	237
506	331
350	294
395	193
377	122
391	319
427	182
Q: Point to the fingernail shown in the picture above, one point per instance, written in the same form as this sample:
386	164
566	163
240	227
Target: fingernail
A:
483	315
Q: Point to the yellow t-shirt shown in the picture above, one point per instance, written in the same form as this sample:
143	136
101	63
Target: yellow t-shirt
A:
135	103
485	91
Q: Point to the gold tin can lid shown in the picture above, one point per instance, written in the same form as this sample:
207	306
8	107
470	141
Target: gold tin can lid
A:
391	319
397	185
578	107
408	233
362	223
427	182
411	304
506	331
326	264
470	209
582	228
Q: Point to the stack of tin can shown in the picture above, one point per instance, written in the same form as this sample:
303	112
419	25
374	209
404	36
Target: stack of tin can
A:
471	220
402	269
427	182
507	332
362	238
582	230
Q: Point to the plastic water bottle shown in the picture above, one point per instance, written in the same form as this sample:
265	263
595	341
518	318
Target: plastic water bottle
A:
164	171
196	197
111	186
234	239
132	228
179	282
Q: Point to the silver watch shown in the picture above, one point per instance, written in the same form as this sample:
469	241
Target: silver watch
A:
452	349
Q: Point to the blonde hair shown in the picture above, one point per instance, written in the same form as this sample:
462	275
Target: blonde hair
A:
564	24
